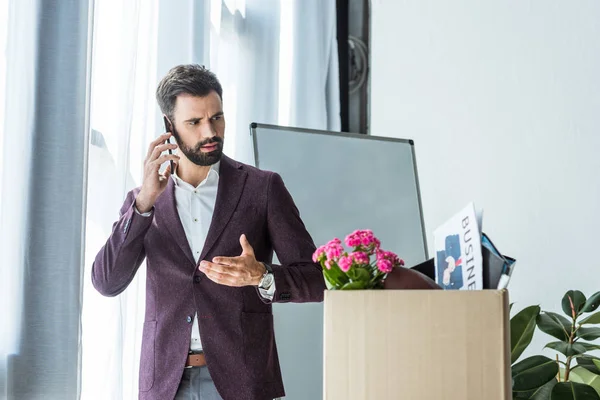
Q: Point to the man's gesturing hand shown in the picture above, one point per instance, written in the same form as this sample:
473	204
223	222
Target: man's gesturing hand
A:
154	182
235	271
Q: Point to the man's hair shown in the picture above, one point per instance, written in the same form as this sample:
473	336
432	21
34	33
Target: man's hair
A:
192	79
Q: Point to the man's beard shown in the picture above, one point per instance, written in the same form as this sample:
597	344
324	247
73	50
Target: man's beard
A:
196	155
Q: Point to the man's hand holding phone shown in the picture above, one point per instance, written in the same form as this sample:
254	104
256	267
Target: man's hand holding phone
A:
154	182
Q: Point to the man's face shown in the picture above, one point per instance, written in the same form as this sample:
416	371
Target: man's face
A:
199	127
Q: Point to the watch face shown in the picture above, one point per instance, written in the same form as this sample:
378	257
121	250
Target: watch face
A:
267	281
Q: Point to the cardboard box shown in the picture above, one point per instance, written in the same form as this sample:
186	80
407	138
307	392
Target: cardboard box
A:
416	345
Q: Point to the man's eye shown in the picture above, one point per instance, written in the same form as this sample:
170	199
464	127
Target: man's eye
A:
218	117
193	123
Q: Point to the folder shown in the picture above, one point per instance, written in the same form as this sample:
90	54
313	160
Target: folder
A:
497	267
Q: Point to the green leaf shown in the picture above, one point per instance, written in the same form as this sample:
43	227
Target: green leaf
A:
352	273
522	327
582	375
587	362
353	286
596	363
592	303
335	276
590	346
329	282
541	393
578	299
588	333
573	391
359	274
592	319
554	325
532	373
566	348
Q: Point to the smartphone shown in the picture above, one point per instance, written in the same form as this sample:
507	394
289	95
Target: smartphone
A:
168	129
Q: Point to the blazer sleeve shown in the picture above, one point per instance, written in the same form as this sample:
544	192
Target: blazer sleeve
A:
119	259
298	279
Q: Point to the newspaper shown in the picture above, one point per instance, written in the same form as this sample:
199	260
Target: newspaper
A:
458	258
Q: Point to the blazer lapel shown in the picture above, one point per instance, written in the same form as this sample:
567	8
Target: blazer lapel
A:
231	185
168	216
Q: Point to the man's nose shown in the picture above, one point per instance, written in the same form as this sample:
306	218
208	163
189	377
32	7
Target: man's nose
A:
207	130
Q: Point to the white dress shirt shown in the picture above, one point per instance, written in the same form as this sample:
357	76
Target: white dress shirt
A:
196	206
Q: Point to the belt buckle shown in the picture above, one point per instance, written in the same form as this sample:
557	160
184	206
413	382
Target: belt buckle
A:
190	353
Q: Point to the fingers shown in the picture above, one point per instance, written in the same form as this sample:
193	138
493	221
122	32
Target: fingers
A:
161	139
246	246
167	172
230	261
218	268
221	274
159	149
165	157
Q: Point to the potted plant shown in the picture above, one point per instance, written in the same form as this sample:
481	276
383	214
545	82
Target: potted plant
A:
574	374
364	267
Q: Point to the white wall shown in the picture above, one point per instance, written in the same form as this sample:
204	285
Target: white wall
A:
503	102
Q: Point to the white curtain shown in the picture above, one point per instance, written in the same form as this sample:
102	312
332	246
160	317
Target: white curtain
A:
44	135
122	110
3	40
260	50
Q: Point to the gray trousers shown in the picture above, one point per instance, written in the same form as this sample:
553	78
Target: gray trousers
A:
197	384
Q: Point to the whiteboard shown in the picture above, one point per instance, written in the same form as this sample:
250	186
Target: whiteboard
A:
340	182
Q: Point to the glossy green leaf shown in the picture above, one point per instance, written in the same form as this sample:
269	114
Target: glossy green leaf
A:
588	333
353	286
522	327
590	346
335	276
573	391
541	393
587	362
578	299
532	373
596	363
592	319
331	285
582	375
567	349
359	274
554	325
592	303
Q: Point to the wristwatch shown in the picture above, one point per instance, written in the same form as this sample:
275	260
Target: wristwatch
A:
267	279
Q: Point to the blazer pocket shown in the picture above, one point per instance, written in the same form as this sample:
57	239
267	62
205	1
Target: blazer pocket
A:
259	345
147	360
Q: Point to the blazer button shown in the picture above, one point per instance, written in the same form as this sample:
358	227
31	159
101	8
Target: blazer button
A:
189	319
197	279
285	296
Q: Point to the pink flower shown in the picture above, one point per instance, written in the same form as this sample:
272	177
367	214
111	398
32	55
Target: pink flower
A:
345	262
334	249
364	238
367	239
328	264
352	241
360	257
386	260
318	254
384	265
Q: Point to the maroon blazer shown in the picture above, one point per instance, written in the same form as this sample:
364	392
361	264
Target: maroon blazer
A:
236	324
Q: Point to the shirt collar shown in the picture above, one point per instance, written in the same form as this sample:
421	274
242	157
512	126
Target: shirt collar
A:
213	172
